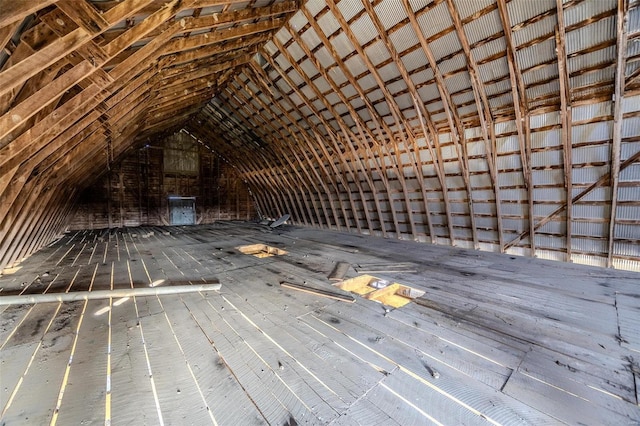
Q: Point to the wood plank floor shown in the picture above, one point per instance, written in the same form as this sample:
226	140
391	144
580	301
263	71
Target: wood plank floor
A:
496	339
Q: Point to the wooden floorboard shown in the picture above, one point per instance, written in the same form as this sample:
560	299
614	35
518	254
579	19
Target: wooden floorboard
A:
495	339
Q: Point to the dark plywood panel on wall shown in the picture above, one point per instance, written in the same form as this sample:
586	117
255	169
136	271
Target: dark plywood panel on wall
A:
136	190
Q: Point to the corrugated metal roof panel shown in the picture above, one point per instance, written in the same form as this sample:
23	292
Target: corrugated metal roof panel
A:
489	49
342	44
469	7
536	54
512	209
548	177
390	12
483	27
548	194
585	10
630	174
549	241
591	35
547	138
627	212
546	26
601	56
586	79
413	60
590	154
511	178
540	74
590	212
628	149
630	127
457	82
586	112
592	132
434	21
588	175
521	10
601	194
627	231
445	45
589	228
364	30
404	38
505	127
634	20
349	9
546	158
508	144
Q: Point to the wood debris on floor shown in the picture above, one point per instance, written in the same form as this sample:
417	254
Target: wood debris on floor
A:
496	340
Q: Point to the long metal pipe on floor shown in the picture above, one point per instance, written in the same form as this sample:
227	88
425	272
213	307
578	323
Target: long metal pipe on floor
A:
105	294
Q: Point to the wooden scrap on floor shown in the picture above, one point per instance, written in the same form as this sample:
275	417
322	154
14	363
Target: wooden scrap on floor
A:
339	271
319	292
372	268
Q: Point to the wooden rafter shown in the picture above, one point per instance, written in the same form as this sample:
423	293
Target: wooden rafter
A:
621	48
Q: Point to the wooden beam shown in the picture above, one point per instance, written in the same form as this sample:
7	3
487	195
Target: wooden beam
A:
618	100
565	116
521	110
604	180
487	125
17	10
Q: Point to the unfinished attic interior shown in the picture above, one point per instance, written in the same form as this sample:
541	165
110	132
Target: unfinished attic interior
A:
316	212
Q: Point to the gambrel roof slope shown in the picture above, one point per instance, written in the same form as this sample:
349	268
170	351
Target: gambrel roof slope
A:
500	125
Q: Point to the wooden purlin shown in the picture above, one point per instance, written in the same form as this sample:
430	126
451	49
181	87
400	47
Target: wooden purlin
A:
455	128
337	176
379	124
604	180
522	118
618	100
350	138
299	199
357	143
255	75
361	140
565	115
487	125
429	130
277	143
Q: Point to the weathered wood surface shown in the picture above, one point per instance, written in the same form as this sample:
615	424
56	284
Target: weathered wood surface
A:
483	345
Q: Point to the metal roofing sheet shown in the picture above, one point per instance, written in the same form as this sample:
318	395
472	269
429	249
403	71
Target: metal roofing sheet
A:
467	8
377	52
588	175
404	38
586	9
545	26
390	12
434	21
521	10
455	63
591	35
445	45
586	112
536	54
364	30
592	132
588	211
493	70
458	82
602	56
627	231
342	45
579	227
548	138
630	127
630	174
488	49
548	177
543	120
348	9
483	27
414	60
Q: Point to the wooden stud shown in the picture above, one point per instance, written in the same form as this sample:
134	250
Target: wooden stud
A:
565	115
621	48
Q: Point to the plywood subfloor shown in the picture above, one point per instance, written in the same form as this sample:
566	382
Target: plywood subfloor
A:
494	340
